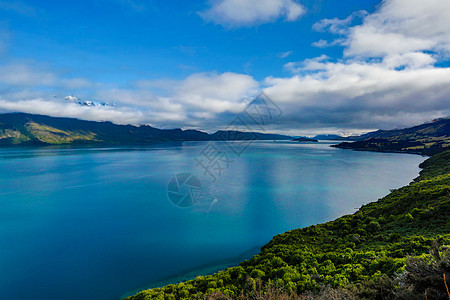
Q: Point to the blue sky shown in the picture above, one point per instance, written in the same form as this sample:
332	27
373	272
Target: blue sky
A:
119	41
338	67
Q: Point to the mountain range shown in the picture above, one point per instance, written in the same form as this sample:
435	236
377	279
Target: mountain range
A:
30	129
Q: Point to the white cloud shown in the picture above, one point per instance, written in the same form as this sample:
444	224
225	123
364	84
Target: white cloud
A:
76	83
403	26
313	64
198	95
387	77
57	109
236	13
368	41
321	44
362	95
325	44
336	25
33	75
21	74
398	27
285	54
187	102
413	60
217	92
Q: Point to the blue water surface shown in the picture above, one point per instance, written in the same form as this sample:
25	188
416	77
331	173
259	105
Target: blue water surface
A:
96	223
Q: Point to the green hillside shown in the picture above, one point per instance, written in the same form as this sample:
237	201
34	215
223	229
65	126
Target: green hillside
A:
395	248
428	139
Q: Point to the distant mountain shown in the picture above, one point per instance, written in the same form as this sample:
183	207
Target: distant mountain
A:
305	139
29	129
240	135
333	137
427	139
437	128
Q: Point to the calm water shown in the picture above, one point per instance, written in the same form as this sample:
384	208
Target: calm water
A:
97	223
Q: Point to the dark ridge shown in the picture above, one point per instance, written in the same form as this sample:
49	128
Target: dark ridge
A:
30	129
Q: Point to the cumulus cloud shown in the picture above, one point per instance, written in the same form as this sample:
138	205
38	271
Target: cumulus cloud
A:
387	77
236	13
362	95
217	92
400	27
200	95
397	27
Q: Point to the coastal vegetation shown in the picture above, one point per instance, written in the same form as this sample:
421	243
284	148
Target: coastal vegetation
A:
395	248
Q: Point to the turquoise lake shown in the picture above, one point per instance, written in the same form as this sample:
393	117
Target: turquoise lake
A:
97	223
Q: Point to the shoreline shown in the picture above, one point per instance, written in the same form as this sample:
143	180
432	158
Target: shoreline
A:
382	151
204	270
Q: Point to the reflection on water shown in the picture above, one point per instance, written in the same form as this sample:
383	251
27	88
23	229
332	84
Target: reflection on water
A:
25	152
